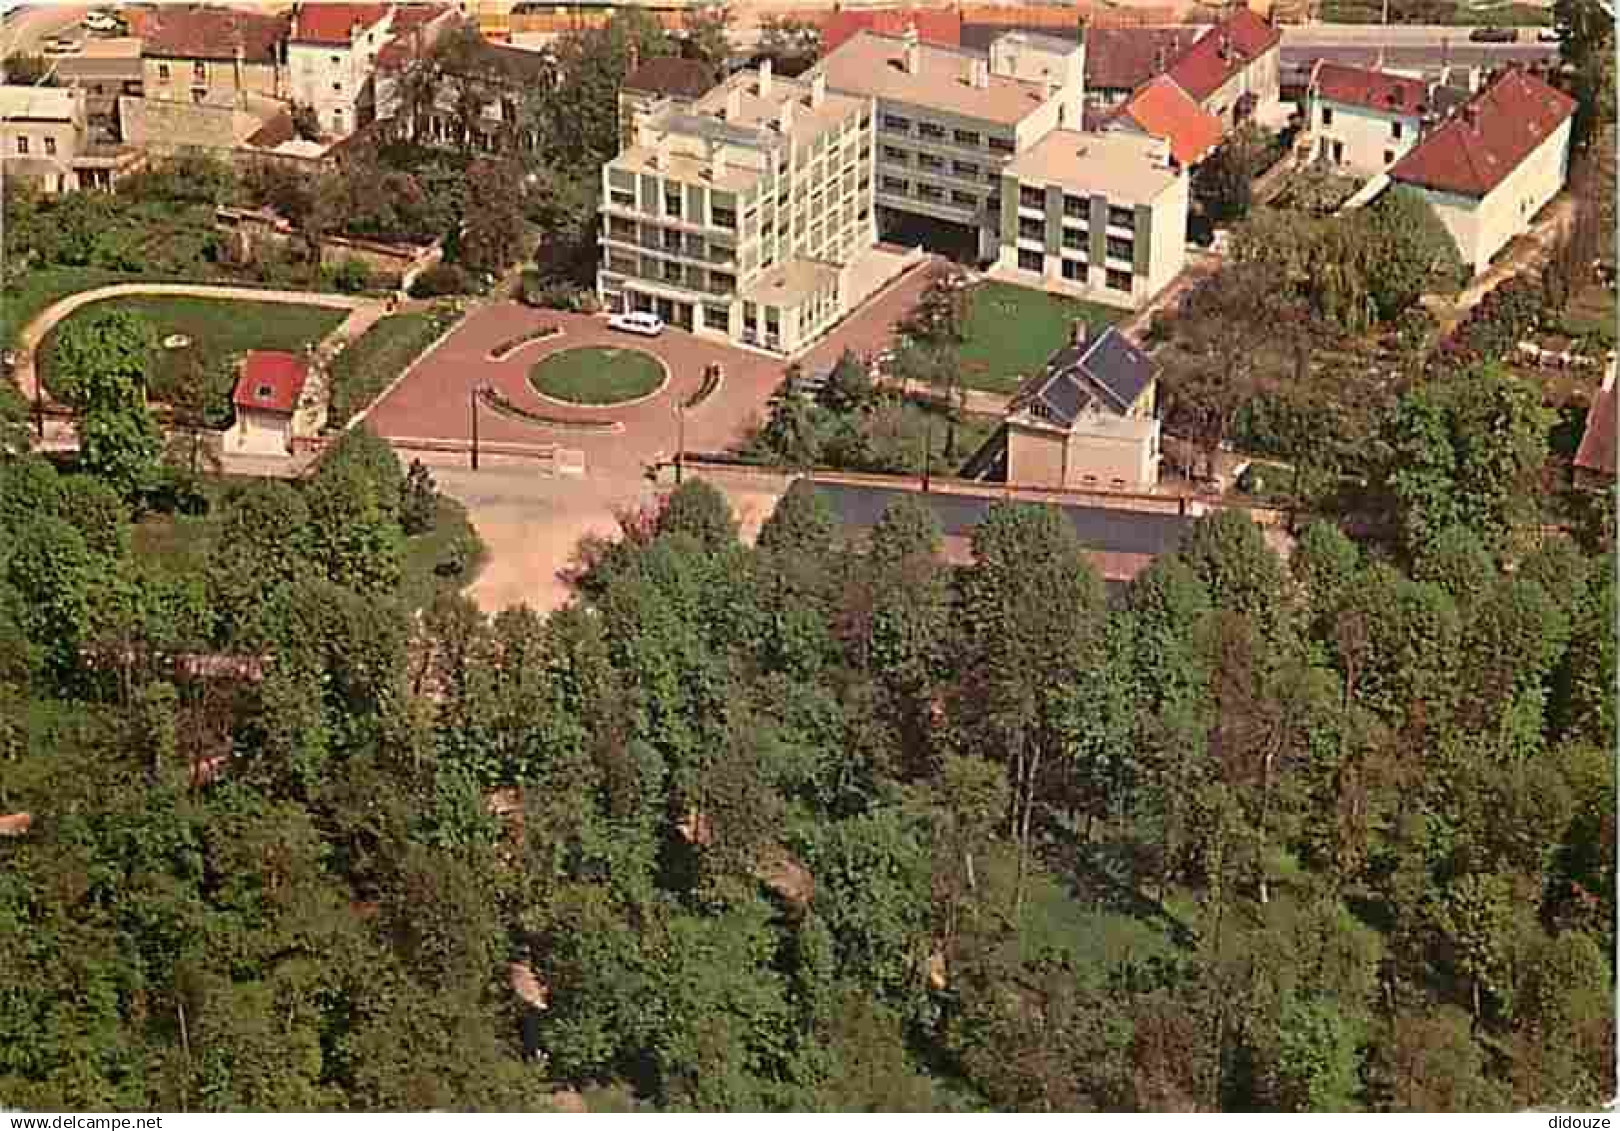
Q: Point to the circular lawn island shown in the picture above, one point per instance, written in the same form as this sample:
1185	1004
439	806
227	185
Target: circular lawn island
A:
597	376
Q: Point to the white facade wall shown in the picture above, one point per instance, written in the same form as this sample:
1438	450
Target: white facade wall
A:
336	79
1483	227
1361	140
1168	252
260	432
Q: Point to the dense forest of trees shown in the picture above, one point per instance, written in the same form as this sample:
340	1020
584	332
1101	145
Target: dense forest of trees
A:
824	823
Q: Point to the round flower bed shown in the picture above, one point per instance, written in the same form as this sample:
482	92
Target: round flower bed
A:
597	377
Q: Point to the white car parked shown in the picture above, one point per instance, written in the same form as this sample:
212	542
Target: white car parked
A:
638	322
104	22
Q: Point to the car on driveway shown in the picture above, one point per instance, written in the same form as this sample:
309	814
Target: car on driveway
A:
637	322
1548	35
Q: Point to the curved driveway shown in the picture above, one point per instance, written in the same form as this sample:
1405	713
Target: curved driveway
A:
363	313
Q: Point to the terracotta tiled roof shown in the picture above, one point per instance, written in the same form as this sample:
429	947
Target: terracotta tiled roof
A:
1376	90
331	23
1163	109
1126	57
1222	52
942	26
15	824
271	380
1597	453
408	16
1487	138
275	131
668	75
212	33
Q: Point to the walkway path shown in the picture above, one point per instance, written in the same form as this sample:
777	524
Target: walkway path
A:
365	311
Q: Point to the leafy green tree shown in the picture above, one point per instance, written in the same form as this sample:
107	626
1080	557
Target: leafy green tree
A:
1239	570
100	367
1409	251
696	508
353	503
1226	178
1586	44
491	239
1430	1062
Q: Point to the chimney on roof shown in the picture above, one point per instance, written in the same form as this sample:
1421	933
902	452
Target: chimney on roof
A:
784	118
818	89
354	30
1470	115
765	70
913	49
733	109
1080	29
979	74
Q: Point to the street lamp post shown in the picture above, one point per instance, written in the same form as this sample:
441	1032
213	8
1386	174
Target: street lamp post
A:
680	439
472	398
928	451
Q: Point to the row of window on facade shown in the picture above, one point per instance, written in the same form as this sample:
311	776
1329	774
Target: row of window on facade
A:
50	146
1074	270
1395	130
934	132
1075	239
679	274
1076	207
933	163
898	186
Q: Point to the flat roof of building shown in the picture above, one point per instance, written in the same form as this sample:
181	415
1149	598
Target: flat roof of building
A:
790	283
761	108
1121	166
874	65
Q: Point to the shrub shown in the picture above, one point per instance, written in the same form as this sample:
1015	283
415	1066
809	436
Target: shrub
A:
553	294
543	331
351	276
441	279
419	499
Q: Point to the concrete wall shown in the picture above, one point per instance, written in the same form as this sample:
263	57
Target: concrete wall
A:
162	125
1113	453
1367	135
1482	228
1035	456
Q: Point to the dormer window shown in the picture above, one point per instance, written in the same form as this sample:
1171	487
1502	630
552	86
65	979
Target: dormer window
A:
266	392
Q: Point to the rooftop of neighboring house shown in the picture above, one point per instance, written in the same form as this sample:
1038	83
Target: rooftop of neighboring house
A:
1104	373
1160	108
1126	168
1124	58
412	30
1598	450
1488	137
39	103
1371	89
271	380
199	32
671	76
875	65
333	23
941	26
1222	52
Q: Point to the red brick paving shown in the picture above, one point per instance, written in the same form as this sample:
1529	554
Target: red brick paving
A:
434	401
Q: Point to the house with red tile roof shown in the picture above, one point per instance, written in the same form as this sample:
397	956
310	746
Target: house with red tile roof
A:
266	399
1234	69
1363	120
941	27
332	52
1494	164
1162	109
1119	60
1595	460
213	56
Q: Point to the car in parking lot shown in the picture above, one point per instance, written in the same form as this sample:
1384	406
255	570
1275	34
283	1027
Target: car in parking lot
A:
1548	35
637	322
1493	35
103	22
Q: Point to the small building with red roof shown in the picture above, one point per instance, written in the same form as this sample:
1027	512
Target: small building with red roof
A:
266	399
1494	164
332	52
211	56
1234	69
1162	109
1364	120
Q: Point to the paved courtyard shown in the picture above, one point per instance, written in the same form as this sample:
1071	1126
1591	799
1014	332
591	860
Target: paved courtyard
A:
531	522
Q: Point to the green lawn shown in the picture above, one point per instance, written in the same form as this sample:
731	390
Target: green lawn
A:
38	289
220	330
367	366
1011	331
593	376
